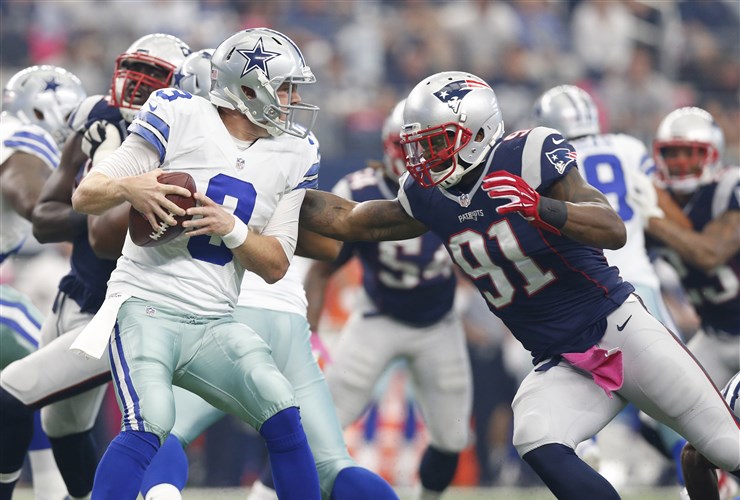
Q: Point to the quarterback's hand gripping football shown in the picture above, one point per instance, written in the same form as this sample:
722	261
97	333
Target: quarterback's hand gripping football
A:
522	198
100	140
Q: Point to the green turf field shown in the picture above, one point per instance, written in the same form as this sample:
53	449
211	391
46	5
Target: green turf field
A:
452	494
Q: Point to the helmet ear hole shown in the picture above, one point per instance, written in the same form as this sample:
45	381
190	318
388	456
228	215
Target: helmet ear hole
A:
480	135
250	93
38	114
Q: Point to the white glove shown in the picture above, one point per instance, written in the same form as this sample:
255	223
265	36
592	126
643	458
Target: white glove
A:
100	140
644	198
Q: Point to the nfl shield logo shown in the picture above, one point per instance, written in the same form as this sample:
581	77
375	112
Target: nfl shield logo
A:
239	163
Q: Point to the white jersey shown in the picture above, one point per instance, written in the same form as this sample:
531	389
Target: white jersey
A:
248	178
287	295
610	162
31	139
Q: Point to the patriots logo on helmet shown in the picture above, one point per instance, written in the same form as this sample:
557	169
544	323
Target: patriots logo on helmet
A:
257	58
561	158
452	93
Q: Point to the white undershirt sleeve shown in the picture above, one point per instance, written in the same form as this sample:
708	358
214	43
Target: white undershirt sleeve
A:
284	221
134	157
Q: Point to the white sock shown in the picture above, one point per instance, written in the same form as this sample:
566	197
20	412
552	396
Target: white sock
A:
47	481
163	491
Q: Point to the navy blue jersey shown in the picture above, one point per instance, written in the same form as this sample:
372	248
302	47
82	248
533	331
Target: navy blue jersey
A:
552	293
716	294
87	281
410	280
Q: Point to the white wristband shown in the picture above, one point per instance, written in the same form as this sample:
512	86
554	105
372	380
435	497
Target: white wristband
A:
237	236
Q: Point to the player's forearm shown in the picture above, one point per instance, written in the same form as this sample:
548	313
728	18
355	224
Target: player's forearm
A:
97	193
703	250
344	220
264	256
594	224
107	232
55	221
315	282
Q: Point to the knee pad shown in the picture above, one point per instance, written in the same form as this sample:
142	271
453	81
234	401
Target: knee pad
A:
531	430
270	391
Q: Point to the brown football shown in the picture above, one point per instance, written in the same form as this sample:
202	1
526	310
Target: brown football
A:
139	228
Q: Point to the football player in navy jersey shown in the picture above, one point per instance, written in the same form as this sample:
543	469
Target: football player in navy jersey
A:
618	166
404	313
67	387
36	103
688	149
700	474
519	220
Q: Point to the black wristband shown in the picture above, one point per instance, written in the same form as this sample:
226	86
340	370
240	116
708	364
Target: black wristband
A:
554	212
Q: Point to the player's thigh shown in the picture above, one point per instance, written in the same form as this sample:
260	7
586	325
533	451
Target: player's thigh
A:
719	355
20	325
234	371
560	405
193	415
365	348
145	350
663	379
443	384
653	301
53	373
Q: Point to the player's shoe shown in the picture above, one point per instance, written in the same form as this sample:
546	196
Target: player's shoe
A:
261	492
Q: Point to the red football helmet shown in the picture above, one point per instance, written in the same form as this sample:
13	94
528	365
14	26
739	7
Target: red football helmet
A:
147	65
394	158
688	149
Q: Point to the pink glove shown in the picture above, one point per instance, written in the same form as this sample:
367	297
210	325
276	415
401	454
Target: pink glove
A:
522	198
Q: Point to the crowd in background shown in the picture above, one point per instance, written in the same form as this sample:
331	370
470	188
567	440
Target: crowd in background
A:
639	58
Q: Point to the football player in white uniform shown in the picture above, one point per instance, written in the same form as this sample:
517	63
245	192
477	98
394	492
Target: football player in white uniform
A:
277	313
405	313
36	104
68	388
170	307
519	220
618	166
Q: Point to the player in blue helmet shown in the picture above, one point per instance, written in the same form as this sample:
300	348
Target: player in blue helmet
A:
517	217
69	388
36	104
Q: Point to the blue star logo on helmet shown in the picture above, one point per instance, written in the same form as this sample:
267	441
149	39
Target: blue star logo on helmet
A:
257	58
51	85
454	92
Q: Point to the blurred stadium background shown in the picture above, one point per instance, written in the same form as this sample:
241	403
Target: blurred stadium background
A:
639	58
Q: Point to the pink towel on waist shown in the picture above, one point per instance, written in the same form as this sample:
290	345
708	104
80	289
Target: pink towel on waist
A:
604	366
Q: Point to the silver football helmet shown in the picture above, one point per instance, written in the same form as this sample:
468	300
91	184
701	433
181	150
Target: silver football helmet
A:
688	149
249	67
194	74
147	65
568	109
44	96
451	121
394	159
